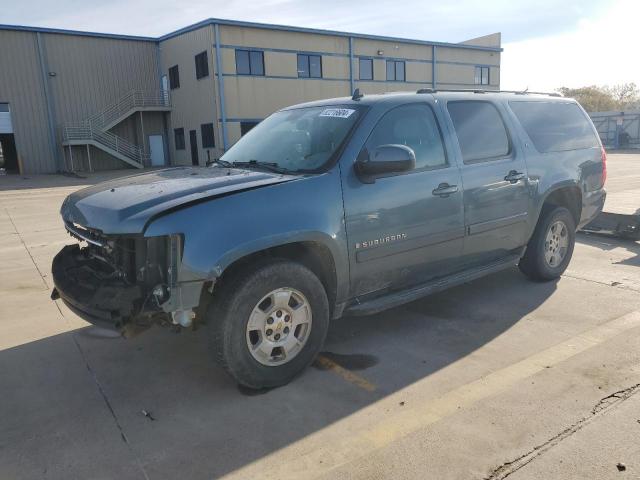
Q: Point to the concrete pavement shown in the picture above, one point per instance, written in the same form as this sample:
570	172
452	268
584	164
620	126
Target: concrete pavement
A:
477	382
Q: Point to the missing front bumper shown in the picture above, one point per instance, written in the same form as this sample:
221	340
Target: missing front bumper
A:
93	296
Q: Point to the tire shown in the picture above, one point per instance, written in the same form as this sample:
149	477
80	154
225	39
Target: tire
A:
536	262
260	291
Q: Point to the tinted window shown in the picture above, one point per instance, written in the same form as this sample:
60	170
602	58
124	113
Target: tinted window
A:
395	70
414	126
249	62
178	134
555	126
206	131
309	66
242	62
245	127
366	69
480	130
482	76
4	107
202	66
174	77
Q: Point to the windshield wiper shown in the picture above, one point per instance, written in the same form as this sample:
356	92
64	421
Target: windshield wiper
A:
222	163
271	166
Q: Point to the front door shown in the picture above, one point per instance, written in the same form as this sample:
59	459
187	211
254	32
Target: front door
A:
193	141
156	145
494	174
404	229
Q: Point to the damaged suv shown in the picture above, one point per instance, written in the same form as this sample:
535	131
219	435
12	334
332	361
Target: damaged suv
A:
336	207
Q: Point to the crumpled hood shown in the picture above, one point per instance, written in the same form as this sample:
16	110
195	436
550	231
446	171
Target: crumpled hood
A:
126	204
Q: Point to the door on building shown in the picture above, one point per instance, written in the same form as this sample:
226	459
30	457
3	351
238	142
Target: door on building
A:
193	140
156	145
8	153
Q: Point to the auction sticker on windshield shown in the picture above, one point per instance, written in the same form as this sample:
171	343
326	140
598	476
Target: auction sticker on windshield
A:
337	112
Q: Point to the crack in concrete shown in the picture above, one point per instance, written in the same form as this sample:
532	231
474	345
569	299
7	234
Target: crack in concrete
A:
603	405
621	286
104	396
26	248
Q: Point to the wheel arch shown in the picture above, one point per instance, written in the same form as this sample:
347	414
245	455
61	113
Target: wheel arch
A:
566	195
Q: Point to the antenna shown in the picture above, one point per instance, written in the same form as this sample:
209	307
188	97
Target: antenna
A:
357	95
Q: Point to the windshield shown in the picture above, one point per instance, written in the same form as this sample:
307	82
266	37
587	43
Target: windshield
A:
300	140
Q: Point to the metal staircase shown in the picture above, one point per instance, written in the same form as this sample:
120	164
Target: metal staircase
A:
95	129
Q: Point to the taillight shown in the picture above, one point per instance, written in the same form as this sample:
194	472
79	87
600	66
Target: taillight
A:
603	155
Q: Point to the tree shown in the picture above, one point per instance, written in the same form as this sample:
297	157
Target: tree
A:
596	98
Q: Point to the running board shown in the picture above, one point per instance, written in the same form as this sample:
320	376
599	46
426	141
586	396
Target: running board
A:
394	299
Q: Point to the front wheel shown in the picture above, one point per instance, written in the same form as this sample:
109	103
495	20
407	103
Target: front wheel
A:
550	249
268	323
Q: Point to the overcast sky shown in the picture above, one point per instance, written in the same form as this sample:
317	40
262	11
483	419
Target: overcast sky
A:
547	43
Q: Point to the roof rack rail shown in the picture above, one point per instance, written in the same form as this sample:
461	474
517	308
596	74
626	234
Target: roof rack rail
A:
476	90
357	95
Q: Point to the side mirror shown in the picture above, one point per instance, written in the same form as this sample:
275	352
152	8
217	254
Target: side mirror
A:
385	160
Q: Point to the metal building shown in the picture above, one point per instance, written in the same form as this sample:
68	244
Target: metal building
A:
88	101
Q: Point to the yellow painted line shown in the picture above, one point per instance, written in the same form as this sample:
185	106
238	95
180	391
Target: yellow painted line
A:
328	364
314	455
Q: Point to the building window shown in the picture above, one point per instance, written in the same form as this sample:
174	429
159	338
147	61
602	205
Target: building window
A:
4	107
174	77
249	62
178	134
245	127
202	65
366	69
309	66
395	70
206	131
482	76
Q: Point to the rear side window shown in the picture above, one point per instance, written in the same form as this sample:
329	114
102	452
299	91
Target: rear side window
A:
555	126
480	130
414	126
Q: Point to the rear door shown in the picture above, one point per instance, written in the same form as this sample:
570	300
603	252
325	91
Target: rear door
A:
494	175
406	228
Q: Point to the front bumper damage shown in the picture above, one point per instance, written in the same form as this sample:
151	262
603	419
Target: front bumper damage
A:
124	283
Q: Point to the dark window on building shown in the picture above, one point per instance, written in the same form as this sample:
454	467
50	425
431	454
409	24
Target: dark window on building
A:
395	70
178	134
249	62
482	76
202	65
309	66
555	126
480	130
206	132
245	127
4	107
366	69
174	77
414	126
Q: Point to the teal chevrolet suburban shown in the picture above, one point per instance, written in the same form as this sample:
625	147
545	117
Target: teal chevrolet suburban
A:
337	207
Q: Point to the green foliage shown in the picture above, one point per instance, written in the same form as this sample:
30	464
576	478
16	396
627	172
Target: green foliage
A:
594	98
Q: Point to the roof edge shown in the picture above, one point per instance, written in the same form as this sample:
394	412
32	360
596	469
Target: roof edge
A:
61	31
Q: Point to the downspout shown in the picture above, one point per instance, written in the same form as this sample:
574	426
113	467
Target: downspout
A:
48	101
351	82
433	67
223	113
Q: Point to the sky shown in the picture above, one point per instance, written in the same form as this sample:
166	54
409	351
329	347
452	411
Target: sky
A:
547	43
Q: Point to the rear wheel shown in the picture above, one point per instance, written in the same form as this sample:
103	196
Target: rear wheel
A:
550	249
268	323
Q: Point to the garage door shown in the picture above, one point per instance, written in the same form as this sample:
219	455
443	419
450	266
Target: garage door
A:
5	119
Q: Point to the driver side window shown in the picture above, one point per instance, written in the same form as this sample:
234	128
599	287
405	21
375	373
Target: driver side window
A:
414	126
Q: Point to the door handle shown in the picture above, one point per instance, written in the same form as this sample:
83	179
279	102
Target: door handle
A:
444	190
514	176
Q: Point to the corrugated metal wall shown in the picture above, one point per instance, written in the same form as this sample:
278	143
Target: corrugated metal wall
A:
21	86
87	75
